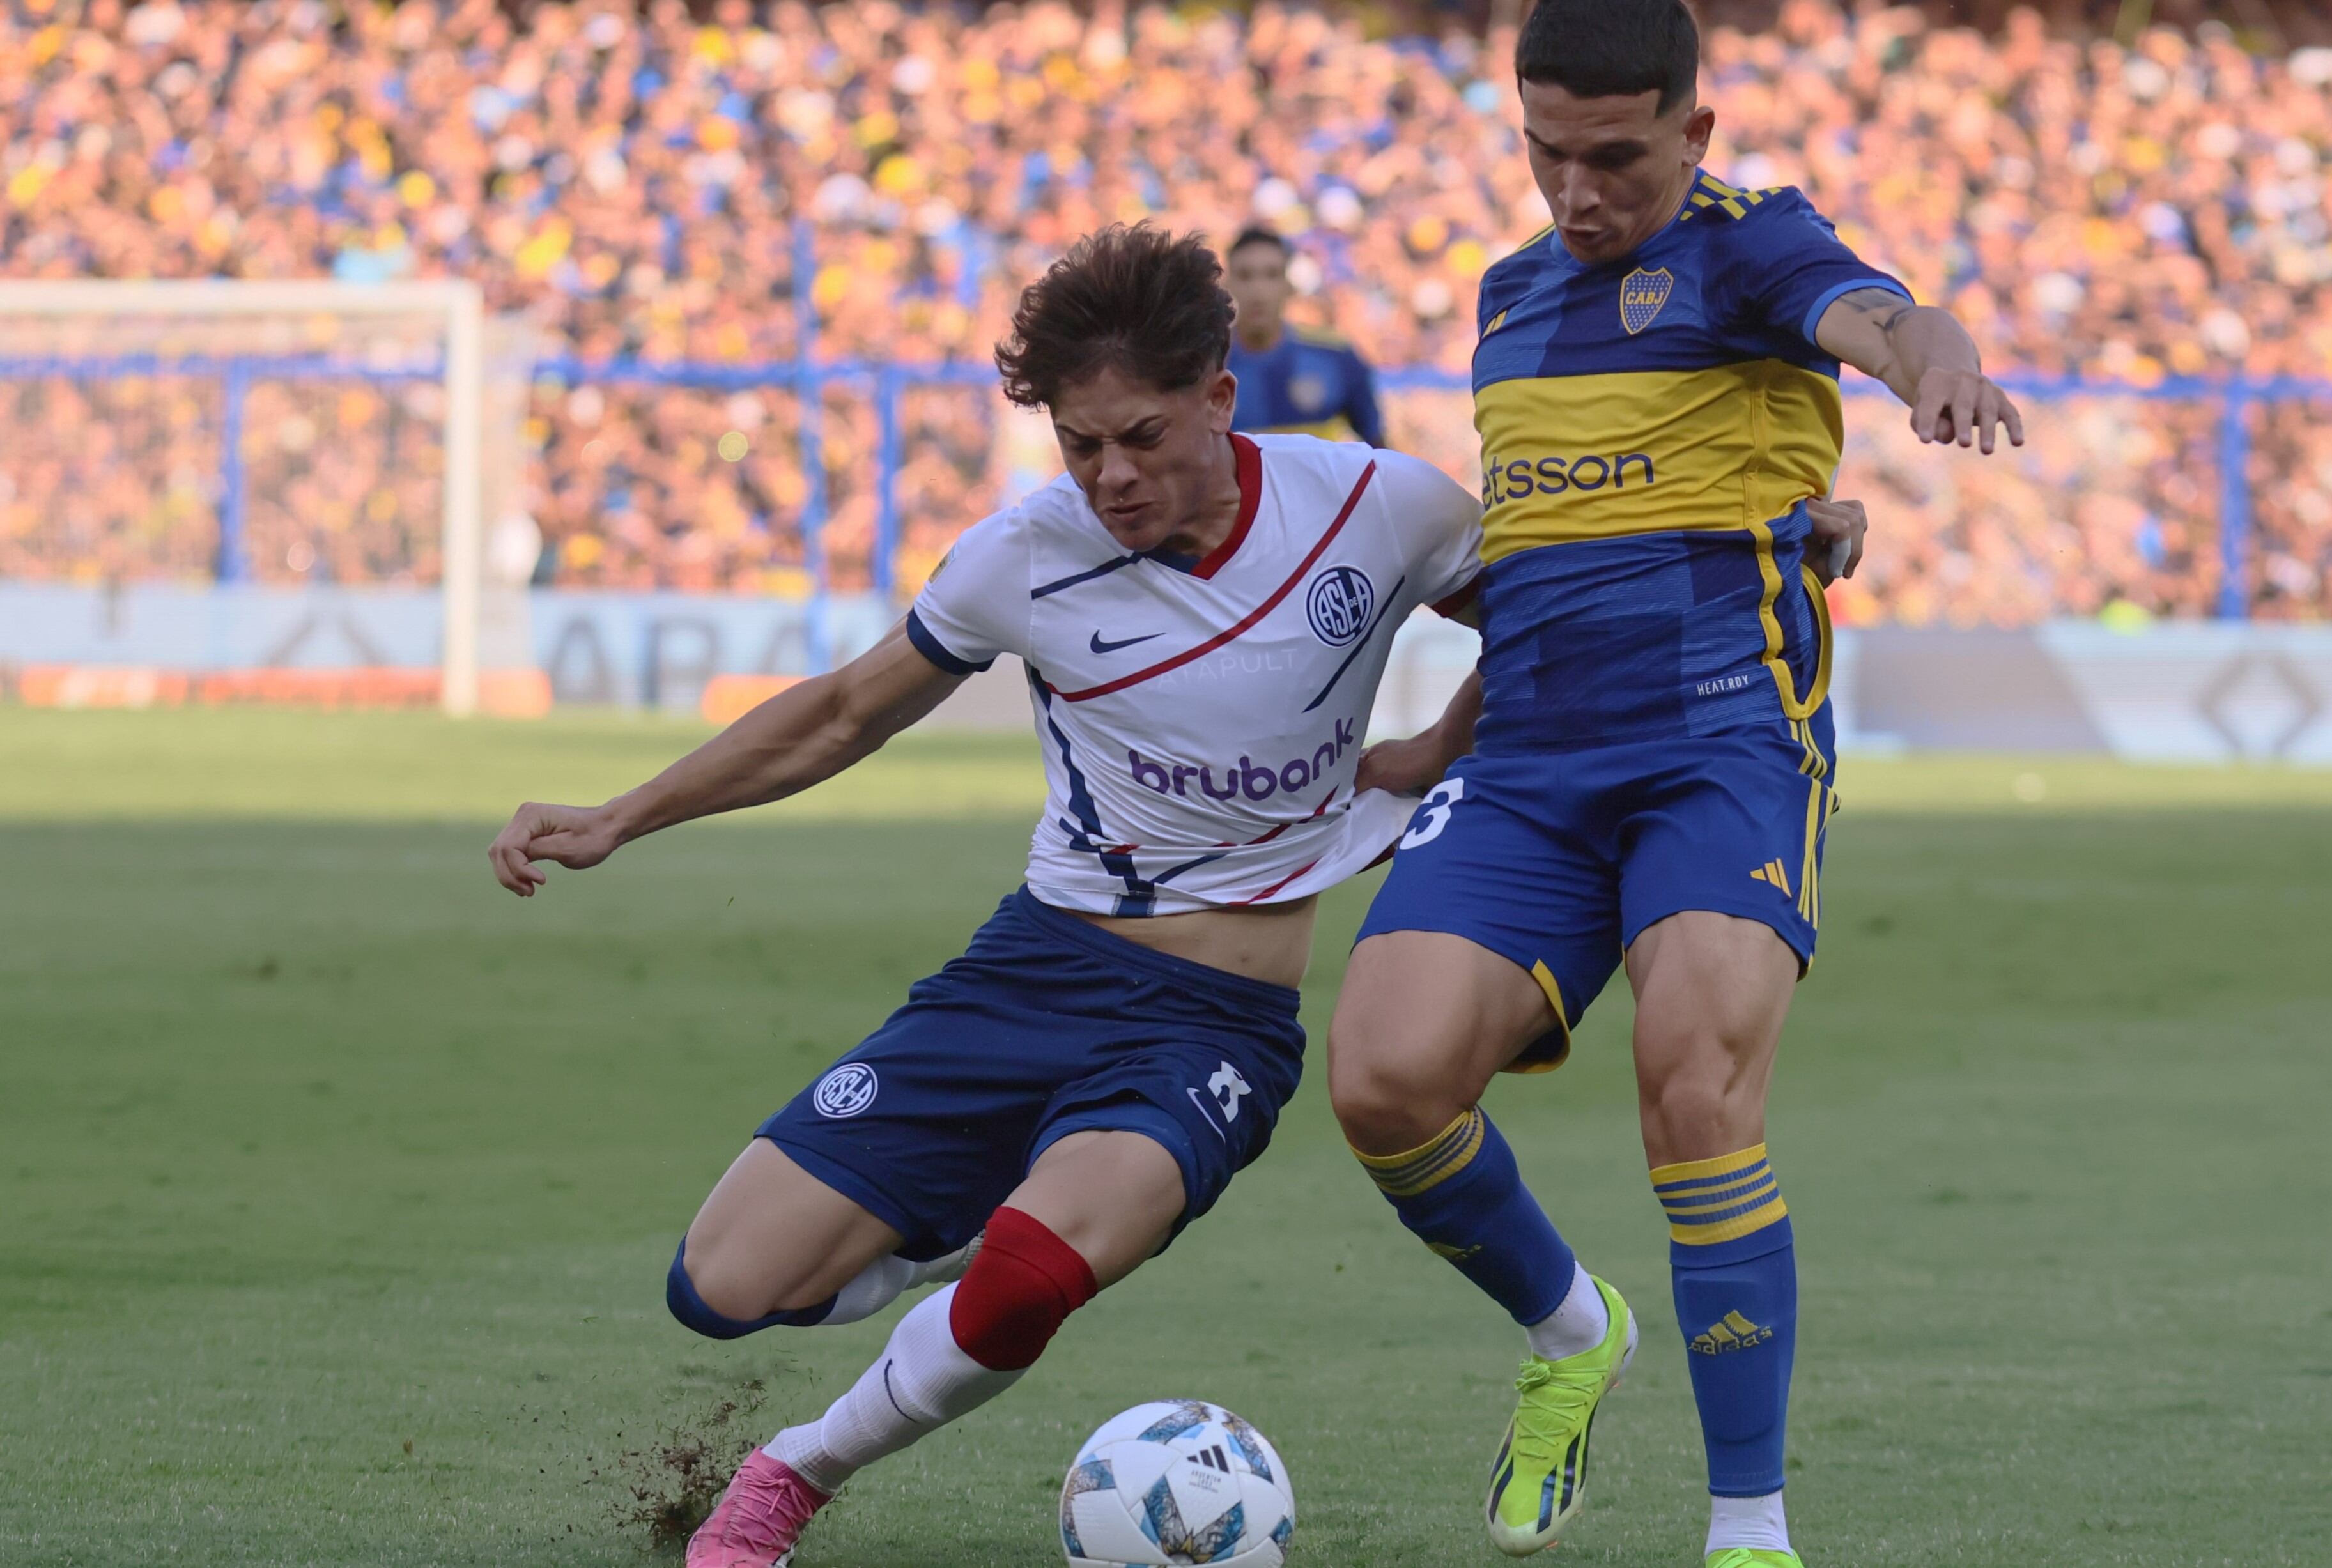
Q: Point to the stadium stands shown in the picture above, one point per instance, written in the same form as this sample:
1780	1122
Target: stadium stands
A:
2154	216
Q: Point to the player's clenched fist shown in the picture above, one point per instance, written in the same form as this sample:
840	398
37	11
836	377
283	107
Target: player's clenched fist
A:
576	836
1839	527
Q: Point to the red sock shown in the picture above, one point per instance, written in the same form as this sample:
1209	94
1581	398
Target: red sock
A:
1022	1283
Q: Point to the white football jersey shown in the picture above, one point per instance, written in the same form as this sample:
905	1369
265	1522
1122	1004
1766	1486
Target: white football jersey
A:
1202	721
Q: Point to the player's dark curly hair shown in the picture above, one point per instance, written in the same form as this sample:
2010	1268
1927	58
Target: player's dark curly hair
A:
1147	303
1611	49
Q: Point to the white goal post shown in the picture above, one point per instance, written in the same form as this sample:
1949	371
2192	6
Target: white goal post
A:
209	312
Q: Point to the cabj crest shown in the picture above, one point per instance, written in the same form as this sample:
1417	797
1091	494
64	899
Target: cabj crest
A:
1641	295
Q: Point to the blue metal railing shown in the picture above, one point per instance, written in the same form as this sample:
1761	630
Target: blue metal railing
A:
2235	397
809	378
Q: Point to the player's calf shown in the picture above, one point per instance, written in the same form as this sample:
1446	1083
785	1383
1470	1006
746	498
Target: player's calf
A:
1732	1265
1712	992
951	1353
1103	1200
954	1351
1424	1021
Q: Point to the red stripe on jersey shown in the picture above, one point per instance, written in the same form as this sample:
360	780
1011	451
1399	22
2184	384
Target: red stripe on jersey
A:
1248	459
1274	887
1246	623
1317	812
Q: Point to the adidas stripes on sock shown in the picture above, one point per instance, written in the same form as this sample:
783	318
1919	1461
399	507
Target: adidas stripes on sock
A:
1733	1270
1463	1196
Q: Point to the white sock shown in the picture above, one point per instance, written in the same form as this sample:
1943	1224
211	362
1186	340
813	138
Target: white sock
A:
1575	1327
948	1267
885	1280
1752	1522
874	1287
922	1382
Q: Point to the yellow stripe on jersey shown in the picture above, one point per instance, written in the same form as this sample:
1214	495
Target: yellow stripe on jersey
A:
1552	1049
1712	192
1809	864
1702	471
1794	706
1581	458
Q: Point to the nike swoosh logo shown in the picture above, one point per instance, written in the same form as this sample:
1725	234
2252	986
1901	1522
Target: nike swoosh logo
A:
1102	647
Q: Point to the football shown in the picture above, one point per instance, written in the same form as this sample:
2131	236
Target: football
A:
1177	1481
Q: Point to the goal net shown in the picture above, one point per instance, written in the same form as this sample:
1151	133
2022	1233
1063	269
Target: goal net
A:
285	482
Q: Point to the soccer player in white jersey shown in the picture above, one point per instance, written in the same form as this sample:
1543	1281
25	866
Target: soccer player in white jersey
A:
1204	619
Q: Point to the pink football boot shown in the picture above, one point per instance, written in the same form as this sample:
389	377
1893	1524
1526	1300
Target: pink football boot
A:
760	1519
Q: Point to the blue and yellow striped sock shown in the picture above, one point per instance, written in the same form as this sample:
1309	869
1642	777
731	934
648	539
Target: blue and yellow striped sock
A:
1735	1273
1463	1196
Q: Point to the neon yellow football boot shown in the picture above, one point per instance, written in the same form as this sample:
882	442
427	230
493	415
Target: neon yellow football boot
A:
1752	1557
1538	1482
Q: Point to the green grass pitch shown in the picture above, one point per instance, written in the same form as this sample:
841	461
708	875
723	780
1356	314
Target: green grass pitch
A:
337	1186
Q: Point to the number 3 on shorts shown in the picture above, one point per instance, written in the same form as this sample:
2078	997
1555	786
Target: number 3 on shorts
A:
1444	795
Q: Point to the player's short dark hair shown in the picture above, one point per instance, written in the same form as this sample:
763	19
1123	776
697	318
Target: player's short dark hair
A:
1611	49
1144	301
1256	235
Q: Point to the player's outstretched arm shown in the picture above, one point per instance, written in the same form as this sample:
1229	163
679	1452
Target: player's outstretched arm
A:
1926	359
806	733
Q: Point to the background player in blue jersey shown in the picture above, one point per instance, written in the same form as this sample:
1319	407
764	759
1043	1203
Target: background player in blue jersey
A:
1655	390
1291	381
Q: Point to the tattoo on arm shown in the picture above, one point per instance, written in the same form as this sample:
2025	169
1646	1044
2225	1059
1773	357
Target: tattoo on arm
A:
1885	307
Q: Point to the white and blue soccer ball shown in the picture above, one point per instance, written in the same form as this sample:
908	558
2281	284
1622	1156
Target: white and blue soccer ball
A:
1177	1481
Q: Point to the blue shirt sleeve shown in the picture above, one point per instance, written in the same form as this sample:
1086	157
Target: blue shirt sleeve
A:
1788	265
1361	400
929	645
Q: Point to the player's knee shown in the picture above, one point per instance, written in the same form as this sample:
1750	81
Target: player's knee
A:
1022	1285
721	1304
1697	1109
1382	1105
716	1316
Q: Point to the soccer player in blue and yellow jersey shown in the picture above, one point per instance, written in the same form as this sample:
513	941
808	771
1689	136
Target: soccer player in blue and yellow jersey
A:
1291	381
1657	393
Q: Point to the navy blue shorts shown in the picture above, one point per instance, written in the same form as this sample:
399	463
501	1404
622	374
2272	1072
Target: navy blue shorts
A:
1046	1026
1559	860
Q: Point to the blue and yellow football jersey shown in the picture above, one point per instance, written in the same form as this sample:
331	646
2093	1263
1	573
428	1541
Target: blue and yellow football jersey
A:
1307	384
1651	429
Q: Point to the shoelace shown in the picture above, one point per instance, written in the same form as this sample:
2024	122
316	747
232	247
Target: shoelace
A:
773	1506
1543	1425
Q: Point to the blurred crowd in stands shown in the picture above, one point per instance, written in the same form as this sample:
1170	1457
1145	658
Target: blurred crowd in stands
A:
876	181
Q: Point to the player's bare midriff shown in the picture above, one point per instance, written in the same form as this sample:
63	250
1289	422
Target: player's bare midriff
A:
1269	942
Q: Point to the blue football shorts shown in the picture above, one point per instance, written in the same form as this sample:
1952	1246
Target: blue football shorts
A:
1557	860
1045	1026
